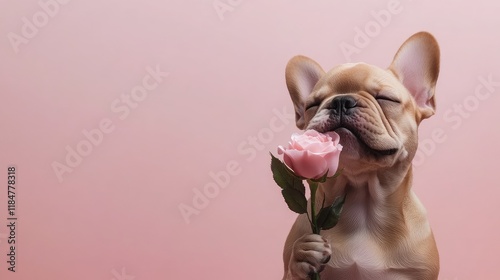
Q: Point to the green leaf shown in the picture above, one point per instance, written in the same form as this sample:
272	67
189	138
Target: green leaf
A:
338	204
293	189
295	200
328	217
323	215
284	177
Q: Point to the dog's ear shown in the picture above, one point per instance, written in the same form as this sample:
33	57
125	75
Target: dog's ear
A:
302	74
416	64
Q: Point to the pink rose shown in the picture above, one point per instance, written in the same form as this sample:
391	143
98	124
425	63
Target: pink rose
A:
312	153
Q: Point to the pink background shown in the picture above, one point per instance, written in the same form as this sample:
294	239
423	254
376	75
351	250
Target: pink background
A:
116	215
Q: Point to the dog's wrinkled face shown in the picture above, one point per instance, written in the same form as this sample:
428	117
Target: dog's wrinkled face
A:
365	106
376	112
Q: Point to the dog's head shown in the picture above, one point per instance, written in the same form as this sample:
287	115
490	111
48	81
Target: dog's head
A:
376	112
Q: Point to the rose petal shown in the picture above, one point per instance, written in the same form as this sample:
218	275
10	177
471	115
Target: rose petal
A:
281	150
332	162
335	138
320	147
311	132
288	159
332	148
301	144
295	136
295	145
305	164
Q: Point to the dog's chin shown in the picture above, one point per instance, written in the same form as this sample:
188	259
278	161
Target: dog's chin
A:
351	146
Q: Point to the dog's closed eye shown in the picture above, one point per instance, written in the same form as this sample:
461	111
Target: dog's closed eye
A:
381	97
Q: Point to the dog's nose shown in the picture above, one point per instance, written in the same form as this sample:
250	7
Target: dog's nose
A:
343	104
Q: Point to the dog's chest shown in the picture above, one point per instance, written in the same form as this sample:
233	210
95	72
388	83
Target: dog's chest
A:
360	258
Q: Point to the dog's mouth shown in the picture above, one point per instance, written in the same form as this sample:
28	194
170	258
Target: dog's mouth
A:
362	133
348	135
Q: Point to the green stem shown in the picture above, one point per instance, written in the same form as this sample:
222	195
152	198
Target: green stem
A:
314	187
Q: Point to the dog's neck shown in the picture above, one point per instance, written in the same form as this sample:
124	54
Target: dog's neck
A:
374	201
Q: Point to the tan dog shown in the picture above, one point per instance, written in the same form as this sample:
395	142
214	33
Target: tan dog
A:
383	232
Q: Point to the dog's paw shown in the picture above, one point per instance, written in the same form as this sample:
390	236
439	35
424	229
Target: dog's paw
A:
310	254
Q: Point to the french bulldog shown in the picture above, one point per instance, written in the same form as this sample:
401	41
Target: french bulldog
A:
383	232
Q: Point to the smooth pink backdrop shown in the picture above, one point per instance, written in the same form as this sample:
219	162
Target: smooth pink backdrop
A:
116	215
